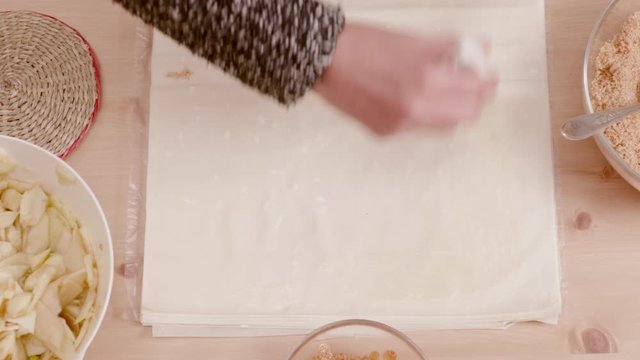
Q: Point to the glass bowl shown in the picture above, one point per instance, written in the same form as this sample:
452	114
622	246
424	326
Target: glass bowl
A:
605	29
357	339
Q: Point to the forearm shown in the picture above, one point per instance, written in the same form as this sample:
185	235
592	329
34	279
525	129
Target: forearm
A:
279	47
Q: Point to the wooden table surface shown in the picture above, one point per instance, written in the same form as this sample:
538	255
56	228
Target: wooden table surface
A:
598	212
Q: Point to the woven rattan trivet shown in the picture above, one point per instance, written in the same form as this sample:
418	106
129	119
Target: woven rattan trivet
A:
49	81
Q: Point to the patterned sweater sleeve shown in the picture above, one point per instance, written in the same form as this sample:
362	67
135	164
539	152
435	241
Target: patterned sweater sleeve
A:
279	47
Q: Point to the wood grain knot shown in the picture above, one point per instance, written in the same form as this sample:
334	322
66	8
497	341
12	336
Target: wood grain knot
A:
608	173
127	271
595	341
583	221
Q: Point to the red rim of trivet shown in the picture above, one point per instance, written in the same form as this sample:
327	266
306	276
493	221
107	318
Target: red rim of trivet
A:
96	71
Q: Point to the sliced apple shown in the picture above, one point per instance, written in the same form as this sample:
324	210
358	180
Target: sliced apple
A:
26	322
6	249
21	186
19	352
32	207
71	286
92	282
33	346
16	271
7	344
86	311
38	236
74	253
51	297
14	236
58	228
11	289
71	312
15	259
35	261
7	165
7	218
43	272
57	262
65	177
39	284
18	305
81	333
53	332
11	199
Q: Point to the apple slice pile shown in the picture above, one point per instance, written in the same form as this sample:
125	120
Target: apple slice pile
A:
48	274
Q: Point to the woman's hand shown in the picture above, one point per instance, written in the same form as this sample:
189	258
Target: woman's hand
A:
390	81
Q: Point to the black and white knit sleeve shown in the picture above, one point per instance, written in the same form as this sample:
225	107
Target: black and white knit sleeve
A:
279	47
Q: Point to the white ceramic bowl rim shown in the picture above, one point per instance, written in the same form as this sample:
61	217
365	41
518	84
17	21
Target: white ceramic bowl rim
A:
358	322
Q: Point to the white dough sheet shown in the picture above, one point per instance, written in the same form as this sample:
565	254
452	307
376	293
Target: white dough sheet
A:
265	220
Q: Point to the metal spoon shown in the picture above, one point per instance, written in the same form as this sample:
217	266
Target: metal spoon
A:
586	126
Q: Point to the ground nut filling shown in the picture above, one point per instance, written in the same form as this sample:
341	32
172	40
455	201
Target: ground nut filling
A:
617	84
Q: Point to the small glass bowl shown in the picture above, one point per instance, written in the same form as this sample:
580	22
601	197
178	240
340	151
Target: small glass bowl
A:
609	23
358	338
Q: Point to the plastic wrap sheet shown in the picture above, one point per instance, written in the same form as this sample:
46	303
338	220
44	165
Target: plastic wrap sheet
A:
132	261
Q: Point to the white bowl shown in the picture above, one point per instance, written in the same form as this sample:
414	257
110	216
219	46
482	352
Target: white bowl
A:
35	163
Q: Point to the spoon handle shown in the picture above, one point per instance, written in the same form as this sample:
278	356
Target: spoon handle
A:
585	126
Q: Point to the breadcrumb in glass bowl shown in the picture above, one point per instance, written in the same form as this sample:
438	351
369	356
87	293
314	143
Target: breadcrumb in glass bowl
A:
357	340
608	26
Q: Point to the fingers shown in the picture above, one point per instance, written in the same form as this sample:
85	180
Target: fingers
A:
489	86
440	49
453	95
